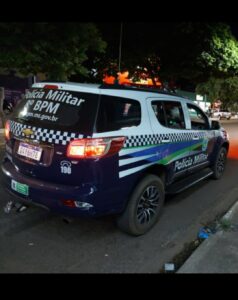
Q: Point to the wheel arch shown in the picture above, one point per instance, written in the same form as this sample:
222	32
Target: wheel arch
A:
156	169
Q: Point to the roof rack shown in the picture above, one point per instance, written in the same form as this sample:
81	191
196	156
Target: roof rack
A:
135	88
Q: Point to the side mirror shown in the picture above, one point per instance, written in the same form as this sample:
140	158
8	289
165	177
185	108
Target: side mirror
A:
215	125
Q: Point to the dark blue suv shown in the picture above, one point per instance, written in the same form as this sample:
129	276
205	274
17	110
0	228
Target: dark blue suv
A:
81	149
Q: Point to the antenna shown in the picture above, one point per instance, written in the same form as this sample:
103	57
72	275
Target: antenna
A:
119	63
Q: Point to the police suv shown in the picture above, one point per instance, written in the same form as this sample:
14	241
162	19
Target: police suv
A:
81	149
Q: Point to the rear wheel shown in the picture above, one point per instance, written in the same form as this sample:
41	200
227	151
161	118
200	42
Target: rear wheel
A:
220	163
144	207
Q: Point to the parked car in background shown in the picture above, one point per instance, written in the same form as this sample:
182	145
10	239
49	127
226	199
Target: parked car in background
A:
222	114
234	115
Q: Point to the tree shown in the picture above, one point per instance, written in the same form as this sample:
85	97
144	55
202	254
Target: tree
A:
211	88
57	49
221	55
224	89
197	51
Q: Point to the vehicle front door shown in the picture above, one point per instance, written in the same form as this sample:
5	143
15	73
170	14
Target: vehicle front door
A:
202	137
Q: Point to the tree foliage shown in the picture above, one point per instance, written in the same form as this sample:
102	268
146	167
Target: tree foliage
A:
57	49
224	89
197	51
221	54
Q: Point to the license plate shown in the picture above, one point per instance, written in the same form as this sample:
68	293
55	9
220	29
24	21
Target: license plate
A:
29	151
20	187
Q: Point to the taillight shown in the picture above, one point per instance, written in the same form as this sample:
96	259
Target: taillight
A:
7	130
95	147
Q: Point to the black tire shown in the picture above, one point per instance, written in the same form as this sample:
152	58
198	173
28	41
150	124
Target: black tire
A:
220	163
144	206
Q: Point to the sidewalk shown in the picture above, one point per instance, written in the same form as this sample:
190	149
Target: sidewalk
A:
218	253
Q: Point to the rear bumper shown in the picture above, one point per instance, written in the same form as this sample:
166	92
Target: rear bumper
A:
51	195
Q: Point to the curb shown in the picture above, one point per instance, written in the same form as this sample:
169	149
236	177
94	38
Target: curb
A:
207	244
229	215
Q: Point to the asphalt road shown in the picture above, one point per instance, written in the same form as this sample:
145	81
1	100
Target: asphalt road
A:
35	241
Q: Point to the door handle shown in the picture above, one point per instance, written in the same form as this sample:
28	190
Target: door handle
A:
166	140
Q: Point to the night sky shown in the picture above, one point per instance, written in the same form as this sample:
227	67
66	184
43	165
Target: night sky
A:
132	32
138	33
234	28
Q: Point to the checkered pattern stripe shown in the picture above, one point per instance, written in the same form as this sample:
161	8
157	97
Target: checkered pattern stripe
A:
155	139
44	135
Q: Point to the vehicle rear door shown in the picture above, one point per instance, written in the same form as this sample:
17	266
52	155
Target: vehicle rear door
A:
170	126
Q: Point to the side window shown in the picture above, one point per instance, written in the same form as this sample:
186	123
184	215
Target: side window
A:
174	115
116	113
198	119
169	114
158	109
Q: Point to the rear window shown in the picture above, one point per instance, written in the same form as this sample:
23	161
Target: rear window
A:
61	109
116	113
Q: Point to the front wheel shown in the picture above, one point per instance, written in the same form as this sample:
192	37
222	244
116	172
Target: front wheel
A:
144	207
220	163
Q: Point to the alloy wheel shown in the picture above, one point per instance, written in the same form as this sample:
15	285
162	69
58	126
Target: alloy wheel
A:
148	204
221	162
